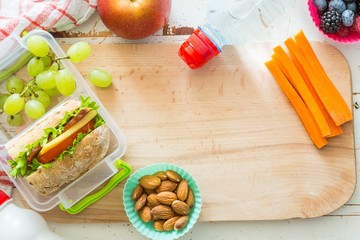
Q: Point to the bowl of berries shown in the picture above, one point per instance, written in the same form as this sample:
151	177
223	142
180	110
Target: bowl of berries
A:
338	20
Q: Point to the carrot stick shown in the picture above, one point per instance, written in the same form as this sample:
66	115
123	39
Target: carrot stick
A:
334	129
300	86
281	66
329	95
298	104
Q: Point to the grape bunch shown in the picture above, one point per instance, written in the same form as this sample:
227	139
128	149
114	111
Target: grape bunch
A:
47	78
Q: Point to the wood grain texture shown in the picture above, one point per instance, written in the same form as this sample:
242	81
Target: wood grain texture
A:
230	126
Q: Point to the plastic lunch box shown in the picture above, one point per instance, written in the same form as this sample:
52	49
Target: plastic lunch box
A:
11	49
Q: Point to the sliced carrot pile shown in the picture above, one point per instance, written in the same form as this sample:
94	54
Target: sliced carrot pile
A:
299	105
304	81
334	129
299	84
330	96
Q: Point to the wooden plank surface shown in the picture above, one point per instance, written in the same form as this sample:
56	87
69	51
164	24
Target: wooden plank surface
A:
229	125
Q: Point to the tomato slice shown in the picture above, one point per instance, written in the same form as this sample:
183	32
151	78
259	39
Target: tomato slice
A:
56	151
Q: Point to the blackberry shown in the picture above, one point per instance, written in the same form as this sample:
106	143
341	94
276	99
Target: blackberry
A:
330	21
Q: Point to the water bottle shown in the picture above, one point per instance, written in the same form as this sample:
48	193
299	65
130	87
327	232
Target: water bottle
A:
230	22
19	223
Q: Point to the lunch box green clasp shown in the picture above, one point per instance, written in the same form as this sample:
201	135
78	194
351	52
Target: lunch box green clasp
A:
124	171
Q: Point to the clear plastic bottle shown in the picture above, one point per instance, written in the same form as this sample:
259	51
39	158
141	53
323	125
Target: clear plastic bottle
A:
230	22
19	223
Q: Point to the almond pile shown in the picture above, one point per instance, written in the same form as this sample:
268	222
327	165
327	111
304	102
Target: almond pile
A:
164	197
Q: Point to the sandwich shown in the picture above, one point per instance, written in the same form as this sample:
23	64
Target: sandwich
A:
60	147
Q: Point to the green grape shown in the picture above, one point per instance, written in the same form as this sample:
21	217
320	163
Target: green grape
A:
54	67
79	51
42	97
52	92
35	66
14	85
65	82
14	104
46	79
38	46
15	120
47	60
100	77
3	98
35	88
34	109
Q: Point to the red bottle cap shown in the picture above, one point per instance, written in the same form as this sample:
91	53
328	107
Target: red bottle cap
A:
197	50
3	197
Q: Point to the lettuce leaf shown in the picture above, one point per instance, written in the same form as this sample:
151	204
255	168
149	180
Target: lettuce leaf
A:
35	165
19	166
87	102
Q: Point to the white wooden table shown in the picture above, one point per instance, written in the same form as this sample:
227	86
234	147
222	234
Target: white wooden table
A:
187	15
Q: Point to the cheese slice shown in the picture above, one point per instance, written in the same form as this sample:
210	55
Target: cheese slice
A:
52	144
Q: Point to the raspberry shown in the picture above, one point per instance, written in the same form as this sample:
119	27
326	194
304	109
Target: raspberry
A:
343	31
356	25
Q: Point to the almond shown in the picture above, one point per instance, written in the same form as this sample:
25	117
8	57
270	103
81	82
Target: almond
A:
145	214
152	201
182	190
140	203
166	197
166	185
162	212
169	224
137	192
173	176
159	225
149	182
148	192
181	222
190	200
162	175
180	207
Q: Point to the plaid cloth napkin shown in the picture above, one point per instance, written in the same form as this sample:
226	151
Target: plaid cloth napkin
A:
5	183
49	15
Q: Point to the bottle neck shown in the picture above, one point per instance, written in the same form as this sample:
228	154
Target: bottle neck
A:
214	36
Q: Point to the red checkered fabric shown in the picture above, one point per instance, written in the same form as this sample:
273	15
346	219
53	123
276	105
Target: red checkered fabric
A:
49	15
5	183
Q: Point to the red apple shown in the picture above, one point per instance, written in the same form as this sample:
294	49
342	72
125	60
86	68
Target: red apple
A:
134	19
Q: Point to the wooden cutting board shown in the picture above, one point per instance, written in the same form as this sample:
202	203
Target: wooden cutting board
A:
229	125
